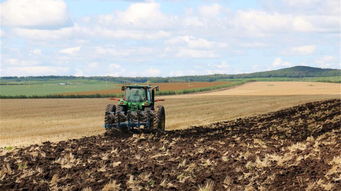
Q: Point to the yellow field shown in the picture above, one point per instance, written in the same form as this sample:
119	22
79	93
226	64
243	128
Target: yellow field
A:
284	88
280	88
28	121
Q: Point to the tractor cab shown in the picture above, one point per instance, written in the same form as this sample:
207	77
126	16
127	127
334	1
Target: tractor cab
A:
139	93
138	97
136	94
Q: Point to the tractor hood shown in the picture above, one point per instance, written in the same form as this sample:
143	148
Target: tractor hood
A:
134	105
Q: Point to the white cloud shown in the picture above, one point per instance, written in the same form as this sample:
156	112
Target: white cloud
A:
328	61
262	23
152	72
71	50
36	51
111	51
41	34
222	65
253	44
13	62
114	66
193	42
93	65
19	67
302	25
259	21
192	47
300	2
145	15
117	70
210	10
140	12
193	53
176	73
124	33
122	52
191	21
216	71
34	13
303	50
278	62
34	71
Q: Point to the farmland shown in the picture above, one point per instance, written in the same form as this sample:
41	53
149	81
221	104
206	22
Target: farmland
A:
97	88
283	88
292	149
29	121
215	140
51	87
166	88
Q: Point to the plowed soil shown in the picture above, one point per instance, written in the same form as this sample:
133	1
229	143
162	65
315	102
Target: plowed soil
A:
292	149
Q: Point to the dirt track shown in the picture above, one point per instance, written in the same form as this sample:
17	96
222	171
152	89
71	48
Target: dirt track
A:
292	149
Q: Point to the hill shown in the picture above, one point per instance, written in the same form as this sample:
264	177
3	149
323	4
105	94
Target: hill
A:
293	72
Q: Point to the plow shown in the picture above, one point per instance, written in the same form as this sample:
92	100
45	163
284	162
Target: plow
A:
136	110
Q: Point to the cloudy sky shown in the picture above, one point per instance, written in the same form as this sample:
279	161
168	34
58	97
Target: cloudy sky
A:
166	37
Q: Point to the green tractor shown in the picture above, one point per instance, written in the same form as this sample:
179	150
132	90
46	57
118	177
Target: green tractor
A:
136	110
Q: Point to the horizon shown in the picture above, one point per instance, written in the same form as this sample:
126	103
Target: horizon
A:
162	38
163	76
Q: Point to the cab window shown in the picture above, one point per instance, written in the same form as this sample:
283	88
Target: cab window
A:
135	94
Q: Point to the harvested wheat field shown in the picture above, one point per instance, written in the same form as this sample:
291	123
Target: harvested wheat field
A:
31	121
283	88
292	149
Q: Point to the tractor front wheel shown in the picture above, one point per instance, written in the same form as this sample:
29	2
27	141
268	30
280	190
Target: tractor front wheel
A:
120	117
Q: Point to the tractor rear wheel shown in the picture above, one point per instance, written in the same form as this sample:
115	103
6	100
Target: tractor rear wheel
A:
108	119
149	118
119	111
116	130
118	118
159	121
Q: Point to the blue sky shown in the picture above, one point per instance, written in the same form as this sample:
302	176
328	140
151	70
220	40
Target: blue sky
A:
166	37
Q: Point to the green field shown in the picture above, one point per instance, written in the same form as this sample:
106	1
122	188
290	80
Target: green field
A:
50	87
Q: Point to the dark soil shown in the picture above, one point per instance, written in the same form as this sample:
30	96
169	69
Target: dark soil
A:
293	149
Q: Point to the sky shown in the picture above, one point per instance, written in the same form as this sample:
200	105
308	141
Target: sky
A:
166	37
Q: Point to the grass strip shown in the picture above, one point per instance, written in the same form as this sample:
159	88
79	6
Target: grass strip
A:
175	92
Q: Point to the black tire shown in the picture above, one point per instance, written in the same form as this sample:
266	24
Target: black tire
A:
159	122
108	110
119	110
149	119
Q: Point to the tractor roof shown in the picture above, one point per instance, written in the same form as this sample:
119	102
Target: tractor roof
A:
137	86
140	86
